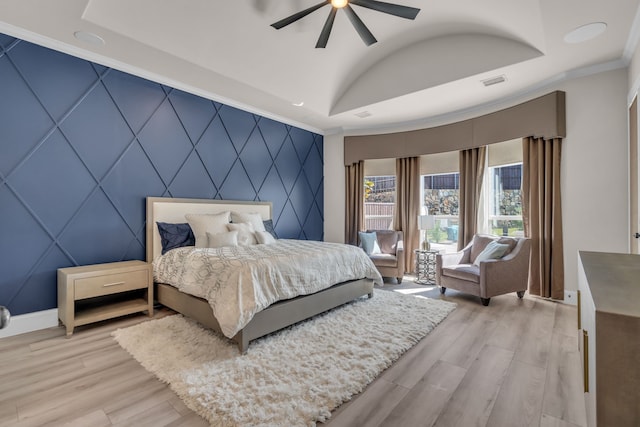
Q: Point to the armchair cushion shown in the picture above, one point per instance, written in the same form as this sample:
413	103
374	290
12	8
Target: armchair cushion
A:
369	242
511	241
480	241
388	241
384	260
468	272
493	250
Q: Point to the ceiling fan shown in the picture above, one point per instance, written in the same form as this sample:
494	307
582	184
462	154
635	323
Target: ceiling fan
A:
368	38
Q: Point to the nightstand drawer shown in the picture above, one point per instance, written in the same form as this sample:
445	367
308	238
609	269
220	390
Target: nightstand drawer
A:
110	284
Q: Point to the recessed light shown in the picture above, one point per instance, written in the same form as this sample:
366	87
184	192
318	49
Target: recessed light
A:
298	104
585	32
90	38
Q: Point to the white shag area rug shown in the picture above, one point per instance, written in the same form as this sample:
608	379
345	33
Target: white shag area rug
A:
294	377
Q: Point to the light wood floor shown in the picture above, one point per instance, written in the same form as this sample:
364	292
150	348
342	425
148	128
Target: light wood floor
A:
514	363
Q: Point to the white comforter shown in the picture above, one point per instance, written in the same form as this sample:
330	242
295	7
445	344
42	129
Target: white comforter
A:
240	281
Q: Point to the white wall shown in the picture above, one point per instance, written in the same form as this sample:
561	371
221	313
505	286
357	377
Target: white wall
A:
594	169
634	71
334	188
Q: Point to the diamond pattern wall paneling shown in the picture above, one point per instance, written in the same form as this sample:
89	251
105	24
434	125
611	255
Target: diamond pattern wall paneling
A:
82	146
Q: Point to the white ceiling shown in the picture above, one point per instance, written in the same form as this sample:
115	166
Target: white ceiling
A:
418	71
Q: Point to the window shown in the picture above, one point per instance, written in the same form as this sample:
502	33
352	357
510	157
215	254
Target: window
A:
441	193
505	200
379	200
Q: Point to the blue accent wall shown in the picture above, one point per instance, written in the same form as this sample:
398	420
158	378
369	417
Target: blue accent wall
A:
82	146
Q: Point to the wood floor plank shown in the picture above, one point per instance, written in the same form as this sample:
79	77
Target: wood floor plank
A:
179	405
24	340
420	359
508	331
472	402
566	319
189	420
8	412
375	405
519	401
159	415
96	387
94	419
564	394
536	337
26	382
147	394
464	350
549	421
428	398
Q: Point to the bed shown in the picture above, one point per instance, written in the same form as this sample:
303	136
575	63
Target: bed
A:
276	316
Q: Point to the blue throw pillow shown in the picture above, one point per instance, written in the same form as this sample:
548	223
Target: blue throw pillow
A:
268	226
369	242
493	250
175	236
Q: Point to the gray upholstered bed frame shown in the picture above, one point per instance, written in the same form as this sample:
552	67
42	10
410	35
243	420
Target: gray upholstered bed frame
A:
271	319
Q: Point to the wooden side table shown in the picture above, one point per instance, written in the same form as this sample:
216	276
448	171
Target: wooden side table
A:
93	293
425	267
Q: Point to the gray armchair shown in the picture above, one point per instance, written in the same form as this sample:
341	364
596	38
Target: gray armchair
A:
491	277
390	263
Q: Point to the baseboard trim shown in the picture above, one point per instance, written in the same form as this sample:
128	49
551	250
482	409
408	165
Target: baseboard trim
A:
30	322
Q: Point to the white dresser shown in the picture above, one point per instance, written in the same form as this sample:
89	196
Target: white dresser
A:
609	337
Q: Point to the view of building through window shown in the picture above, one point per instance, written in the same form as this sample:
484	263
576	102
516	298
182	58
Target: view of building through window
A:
505	200
379	199
441	195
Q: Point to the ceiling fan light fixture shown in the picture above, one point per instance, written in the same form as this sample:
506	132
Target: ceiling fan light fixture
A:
405	12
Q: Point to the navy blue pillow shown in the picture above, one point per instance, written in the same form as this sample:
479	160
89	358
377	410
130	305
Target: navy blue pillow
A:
175	236
268	225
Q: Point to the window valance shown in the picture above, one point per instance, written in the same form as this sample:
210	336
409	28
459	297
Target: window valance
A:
540	117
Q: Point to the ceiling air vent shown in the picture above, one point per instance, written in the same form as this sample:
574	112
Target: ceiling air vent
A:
363	114
494	80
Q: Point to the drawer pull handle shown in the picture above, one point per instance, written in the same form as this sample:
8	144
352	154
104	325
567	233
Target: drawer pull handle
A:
579	310
585	360
106	285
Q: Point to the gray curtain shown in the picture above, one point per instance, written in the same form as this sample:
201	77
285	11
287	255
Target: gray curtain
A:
542	215
354	212
471	176
407	206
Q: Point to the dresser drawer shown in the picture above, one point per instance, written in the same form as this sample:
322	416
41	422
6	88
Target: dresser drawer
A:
110	284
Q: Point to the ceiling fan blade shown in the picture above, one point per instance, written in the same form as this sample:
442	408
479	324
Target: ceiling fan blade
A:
326	30
392	9
362	29
293	18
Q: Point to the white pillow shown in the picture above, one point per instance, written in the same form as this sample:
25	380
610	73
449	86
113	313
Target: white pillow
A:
203	223
254	218
245	233
218	240
493	250
264	237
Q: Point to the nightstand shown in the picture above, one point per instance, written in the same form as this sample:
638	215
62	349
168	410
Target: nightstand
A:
425	267
93	293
